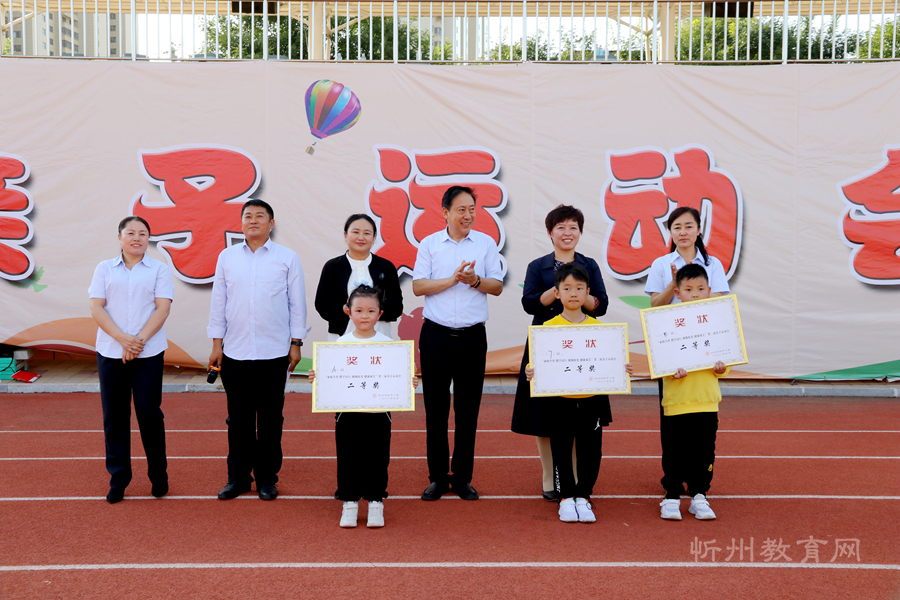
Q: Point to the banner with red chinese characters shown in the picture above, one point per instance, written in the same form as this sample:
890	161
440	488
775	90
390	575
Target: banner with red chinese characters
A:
794	169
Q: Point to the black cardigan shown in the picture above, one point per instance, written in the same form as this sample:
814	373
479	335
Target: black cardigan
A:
332	292
539	279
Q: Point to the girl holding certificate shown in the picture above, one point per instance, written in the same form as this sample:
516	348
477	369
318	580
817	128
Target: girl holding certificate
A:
363	440
564	227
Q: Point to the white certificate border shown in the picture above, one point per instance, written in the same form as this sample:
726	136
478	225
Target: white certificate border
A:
730	299
623	332
411	369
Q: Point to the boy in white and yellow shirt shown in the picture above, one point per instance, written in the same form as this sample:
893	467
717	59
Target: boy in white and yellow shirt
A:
690	419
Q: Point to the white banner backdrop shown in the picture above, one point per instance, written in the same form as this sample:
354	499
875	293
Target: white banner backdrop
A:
794	169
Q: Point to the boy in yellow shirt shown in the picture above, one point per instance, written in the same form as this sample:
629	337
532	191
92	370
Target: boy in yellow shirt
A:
690	419
575	419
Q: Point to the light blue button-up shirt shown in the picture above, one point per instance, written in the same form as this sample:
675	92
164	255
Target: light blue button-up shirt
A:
130	296
258	301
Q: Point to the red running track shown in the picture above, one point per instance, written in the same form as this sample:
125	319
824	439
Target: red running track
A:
785	472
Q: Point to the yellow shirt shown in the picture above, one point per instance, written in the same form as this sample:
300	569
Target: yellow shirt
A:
561	320
698	392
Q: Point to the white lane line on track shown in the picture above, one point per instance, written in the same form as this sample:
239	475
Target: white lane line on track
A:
454	565
251	496
605	431
642	457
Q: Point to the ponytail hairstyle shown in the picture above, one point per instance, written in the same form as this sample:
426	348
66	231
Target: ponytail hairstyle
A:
366	291
699	243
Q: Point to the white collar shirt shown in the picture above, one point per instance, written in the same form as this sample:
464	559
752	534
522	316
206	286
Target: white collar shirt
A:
438	257
130	296
258	301
660	274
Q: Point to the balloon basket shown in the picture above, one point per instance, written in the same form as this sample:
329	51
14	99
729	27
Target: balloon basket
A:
310	150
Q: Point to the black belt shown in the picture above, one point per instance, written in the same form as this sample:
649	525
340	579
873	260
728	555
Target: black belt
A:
455	330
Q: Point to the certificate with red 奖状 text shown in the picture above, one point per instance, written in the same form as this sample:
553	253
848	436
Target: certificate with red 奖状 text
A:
363	376
693	335
575	360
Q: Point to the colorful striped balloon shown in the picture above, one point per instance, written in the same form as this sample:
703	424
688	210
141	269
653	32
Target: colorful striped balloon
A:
331	108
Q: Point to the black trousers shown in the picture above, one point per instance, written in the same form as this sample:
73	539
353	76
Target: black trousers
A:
578	420
140	378
458	356
255	395
363	442
688	452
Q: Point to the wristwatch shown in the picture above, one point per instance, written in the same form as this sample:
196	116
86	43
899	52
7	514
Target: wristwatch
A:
296	342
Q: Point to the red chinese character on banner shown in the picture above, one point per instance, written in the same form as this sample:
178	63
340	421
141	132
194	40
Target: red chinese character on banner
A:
645	185
871	223
679	323
351	360
203	189
702	319
566	344
16	262
406	197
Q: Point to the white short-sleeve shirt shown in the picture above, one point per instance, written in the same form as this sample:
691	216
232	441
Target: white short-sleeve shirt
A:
660	274
130	296
439	256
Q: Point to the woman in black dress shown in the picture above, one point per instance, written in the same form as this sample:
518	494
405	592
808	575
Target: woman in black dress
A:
564	226
357	266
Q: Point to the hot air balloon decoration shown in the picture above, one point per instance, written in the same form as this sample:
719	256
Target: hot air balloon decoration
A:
330	108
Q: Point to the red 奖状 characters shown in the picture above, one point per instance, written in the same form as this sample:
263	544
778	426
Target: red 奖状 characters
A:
870	224
16	230
203	190
406	197
645	185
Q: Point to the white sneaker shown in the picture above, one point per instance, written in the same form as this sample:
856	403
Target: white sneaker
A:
700	508
671	509
376	514
567	511
349	514
583	508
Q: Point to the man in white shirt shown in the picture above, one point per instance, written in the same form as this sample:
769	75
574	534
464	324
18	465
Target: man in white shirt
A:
257	319
455	270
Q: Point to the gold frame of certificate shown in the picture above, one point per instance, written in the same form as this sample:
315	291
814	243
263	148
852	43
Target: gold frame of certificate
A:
363	376
576	360
693	335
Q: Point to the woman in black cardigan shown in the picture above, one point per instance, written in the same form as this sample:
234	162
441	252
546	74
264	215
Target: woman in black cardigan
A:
357	266
564	226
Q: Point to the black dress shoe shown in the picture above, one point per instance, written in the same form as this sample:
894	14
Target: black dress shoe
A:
115	495
465	491
233	490
160	489
435	491
551	496
268	491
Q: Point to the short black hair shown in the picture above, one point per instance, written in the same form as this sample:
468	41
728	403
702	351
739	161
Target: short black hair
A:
366	291
357	217
454	191
573	270
131	218
261	203
691	271
561	213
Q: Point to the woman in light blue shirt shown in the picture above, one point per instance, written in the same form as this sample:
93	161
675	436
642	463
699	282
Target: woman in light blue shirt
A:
130	297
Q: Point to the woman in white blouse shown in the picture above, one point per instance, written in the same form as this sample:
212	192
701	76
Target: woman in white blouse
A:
130	297
357	266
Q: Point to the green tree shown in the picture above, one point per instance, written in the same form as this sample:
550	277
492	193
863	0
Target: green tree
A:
727	39
574	48
882	43
235	36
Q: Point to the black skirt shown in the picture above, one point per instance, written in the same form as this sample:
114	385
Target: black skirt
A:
534	416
